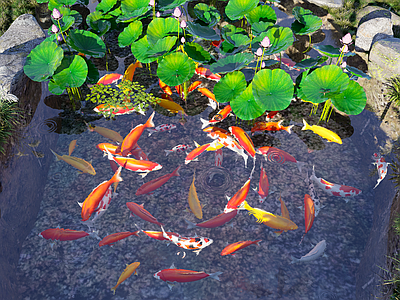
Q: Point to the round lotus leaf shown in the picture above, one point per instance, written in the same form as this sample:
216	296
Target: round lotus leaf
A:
357	72
310	62
175	68
136	7
230	87
203	32
331	51
207	14
260	27
197	52
237	9
262	13
352	100
272	89
280	37
93	73
162	46
86	42
43	60
231	63
327	79
140	51
160	28
72	72
55	88
245	107
130	33
106	5
170	4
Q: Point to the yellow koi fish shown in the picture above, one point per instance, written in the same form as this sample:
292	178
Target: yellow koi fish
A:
194	202
171	106
323	132
72	146
126	273
76	162
284	213
107	133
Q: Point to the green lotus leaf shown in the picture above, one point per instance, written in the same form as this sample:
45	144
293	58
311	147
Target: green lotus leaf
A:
93	73
260	27
245	106
66	22
352	100
312	24
197	52
324	80
228	48
273	89
230	87
207	14
77	16
357	72
139	50
93	18
104	26
263	13
86	42
130	34
175	68
136	7
235	36
203	32
106	5
237	9
310	62
331	51
72	72
59	4
43	60
160	28
267	63
162	46
231	63
54	88
170	4
280	37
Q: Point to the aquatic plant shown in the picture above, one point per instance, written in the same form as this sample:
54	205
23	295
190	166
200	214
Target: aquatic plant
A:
393	94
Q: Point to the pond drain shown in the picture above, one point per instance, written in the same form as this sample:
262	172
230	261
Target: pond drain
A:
215	180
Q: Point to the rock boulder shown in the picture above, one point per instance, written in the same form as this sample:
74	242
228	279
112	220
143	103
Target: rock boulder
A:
329	3
384	59
372	30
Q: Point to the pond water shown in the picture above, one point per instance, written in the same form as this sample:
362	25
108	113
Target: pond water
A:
82	270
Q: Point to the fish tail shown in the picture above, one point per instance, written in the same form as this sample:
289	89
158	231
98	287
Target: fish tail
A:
306	126
215	275
109	155
278	233
58	156
288	129
204	123
149	122
294	260
257	242
176	171
190	224
167	152
117	177
113	289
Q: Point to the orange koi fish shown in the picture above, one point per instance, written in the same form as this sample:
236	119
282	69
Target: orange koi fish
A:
243	139
133	136
271	115
220	116
167	90
158	235
154	184
71	147
113	149
206	73
171	106
117	110
91	203
142	213
309	213
194	202
196	152
79	163
237	246
270	126
237	199
216	221
284	213
130	71
217	43
109	78
61	234
216	132
263	185
107	133
115	237
273	154
126	273
206	92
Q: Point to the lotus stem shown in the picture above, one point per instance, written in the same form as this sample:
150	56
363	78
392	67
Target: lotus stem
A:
59	26
327	111
154	10
309	44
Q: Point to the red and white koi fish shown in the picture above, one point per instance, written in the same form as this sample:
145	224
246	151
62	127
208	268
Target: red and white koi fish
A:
220	116
189	243
142	213
244	140
219	156
61	234
216	221
237	199
237	246
335	189
115	237
263	185
178	149
133	136
101	209
211	97
204	72
180	275
270	126
110	78
196	152
381	165
154	184
160	128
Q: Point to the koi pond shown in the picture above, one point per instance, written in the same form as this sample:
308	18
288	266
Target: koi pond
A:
304	239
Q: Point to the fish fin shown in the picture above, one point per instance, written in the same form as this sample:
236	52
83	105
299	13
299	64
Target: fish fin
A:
294	260
94	233
258	242
149	122
196	144
170	285
278	233
190	224
79	172
197	251
176	171
215	275
57	156
167	152
80	204
143	174
288	129
136	273
205	123
306	126
300	165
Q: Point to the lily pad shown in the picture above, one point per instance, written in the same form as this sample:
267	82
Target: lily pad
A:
140	51
160	28
310	62
306	22
352	100
135	7
228	48
197	52
207	14
331	51
43	60
203	32
170	4
262	13
106	5
327	79
72	72
357	72
162	46
230	87
272	89
86	42
236	36
93	73
245	107
260	27
231	63
66	22
237	9
130	34
280	37
175	68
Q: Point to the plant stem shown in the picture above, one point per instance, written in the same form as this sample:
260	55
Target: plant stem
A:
309	44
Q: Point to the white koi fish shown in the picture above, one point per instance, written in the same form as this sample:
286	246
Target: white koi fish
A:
178	149
381	165
313	194
160	128
316	252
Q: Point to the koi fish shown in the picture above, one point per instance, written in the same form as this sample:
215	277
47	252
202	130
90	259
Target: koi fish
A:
109	78
126	273
309	214
115	237
130	71
71	147
107	133
117	110
191	88
160	128
217	43
101	209
284	213
220	116
263	185
216	221
158	235
335	189
154	184
244	140
61	234
323	132
273	154
228	142
214	146
180	275
381	165
189	243
166	89
113	149
142	213
211	97
91	203
237	246
178	149
271	115
138	153
270	126
171	106
206	73
237	199
287	61
133	136
316	252
218	158
196	152
78	163
313	195
194	202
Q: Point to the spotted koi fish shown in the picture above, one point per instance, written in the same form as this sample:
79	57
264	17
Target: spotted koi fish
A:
381	165
313	195
178	149
189	243
160	128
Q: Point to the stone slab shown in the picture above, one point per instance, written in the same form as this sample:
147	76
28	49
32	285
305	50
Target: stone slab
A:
373	30
370	12
384	59
329	3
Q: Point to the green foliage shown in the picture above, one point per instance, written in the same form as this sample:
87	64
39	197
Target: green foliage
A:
394	90
12	9
10	119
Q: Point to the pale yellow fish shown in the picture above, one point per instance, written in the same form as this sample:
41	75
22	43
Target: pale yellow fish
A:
171	106
130	71
126	273
107	133
323	132
76	162
194	202
284	213
71	147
